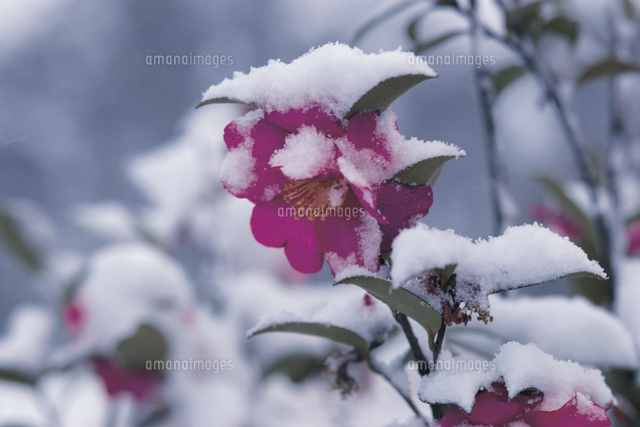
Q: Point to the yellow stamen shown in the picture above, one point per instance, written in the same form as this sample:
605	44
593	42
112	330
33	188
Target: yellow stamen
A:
312	198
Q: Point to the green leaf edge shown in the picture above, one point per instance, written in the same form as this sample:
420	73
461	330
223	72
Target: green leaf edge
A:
421	173
378	97
606	68
324	330
402	300
131	351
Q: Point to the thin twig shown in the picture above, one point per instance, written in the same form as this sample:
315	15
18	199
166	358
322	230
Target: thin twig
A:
569	122
439	341
423	365
485	93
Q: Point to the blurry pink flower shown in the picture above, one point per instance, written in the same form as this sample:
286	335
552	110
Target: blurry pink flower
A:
74	316
322	186
140	383
494	408
633	234
557	221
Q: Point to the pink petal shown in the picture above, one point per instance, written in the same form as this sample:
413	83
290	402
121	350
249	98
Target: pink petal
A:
339	235
490	408
633	234
569	416
273	226
557	221
267	139
141	384
454	417
361	132
366	197
292	120
401	204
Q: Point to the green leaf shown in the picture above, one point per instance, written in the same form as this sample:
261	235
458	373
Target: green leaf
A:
17	243
526	17
445	273
297	367
562	26
421	47
325	330
380	18
402	300
17	377
506	76
422	172
629	8
606	68
412	29
224	100
146	344
385	92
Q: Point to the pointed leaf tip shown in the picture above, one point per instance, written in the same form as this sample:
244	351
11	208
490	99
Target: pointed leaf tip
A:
385	92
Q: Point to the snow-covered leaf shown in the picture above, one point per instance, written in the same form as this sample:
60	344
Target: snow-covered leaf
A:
340	79
401	300
223	100
423	172
324	330
523	256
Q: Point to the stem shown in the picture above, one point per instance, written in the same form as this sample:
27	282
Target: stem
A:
439	341
485	93
423	365
406	398
569	122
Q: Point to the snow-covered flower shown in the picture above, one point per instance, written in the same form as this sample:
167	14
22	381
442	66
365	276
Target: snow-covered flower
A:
322	186
494	408
319	155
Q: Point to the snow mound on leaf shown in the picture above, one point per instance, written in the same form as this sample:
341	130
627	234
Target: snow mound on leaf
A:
333	76
522	256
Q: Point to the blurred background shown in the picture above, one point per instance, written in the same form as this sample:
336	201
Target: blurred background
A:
98	148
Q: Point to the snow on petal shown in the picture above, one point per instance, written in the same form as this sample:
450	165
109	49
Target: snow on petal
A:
306	154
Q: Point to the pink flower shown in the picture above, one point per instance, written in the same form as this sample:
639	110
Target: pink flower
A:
557	221
323	186
494	408
633	234
116	379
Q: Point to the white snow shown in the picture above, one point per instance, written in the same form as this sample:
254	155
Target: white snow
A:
346	310
567	328
333	76
523	255
305	154
26	343
519	367
111	220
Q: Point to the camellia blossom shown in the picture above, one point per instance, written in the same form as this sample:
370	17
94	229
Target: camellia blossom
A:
494	408
319	155
323	186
